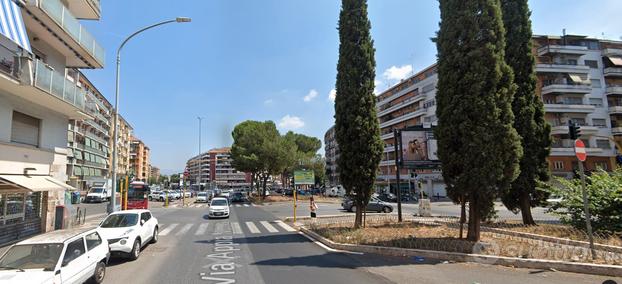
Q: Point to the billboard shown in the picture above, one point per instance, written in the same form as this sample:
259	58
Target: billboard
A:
304	177
418	149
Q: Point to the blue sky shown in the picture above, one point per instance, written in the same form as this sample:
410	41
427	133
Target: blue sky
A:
270	60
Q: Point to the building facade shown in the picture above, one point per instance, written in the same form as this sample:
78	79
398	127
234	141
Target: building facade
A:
217	169
123	146
579	79
139	160
154	173
89	140
331	152
40	92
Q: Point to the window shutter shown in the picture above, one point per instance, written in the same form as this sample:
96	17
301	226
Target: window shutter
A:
25	129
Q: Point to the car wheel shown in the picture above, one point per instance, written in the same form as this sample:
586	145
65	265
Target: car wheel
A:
386	209
353	209
162	199
135	253
100	273
154	238
150	198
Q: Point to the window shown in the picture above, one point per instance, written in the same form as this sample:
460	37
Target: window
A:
74	250
145	216
595	83
603	144
599	122
601	165
597	102
92	240
25	129
558	165
592	63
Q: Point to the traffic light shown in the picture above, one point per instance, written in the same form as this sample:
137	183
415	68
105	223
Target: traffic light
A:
574	130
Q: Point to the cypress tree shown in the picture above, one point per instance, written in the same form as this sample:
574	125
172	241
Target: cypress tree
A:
477	143
356	126
528	110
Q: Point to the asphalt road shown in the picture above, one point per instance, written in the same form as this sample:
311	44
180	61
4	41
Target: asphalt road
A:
253	246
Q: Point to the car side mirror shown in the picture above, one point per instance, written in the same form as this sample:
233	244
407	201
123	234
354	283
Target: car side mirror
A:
142	222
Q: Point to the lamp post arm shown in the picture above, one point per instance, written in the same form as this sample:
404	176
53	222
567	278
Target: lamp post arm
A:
140	31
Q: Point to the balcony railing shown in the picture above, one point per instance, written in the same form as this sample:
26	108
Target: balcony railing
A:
566	88
614	90
613	71
57	84
61	15
563	49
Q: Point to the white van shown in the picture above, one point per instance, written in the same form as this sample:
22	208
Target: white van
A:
63	256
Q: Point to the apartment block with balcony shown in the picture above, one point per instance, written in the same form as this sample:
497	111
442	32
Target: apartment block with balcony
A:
217	169
139	160
89	140
123	147
40	93
331	150
612	66
573	86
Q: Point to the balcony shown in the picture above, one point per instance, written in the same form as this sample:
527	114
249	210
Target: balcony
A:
85	9
566	89
615	110
562	68
386	136
562	49
613	90
612	52
53	23
404	117
569	108
613	72
98	139
616	130
396	95
563	129
41	85
402	104
97	127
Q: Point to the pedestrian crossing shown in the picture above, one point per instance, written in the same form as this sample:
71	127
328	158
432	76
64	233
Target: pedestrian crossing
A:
206	205
235	228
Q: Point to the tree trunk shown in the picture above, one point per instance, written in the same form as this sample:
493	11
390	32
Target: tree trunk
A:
263	192
358	215
474	220
525	209
365	216
462	214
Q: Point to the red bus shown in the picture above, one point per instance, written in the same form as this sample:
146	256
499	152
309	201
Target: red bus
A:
137	196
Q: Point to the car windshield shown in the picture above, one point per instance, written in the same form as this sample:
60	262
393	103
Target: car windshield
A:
219	202
97	190
202	194
36	256
120	220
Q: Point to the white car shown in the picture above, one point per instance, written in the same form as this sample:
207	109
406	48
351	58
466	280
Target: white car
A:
128	231
219	207
63	256
202	197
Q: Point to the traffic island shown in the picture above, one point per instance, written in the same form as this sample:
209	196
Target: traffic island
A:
440	241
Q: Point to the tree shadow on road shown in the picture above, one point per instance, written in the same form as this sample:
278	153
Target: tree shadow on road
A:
346	260
266	239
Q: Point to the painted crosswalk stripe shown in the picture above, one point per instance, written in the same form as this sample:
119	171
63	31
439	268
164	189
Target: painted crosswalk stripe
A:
235	228
168	229
201	230
184	229
237	205
246	205
285	226
251	227
269	227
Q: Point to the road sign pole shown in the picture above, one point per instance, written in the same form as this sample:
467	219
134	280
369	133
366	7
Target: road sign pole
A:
396	150
580	153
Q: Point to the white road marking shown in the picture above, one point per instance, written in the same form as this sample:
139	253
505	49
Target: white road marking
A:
235	227
184	230
237	205
251	227
168	229
201	230
246	205
285	226
269	227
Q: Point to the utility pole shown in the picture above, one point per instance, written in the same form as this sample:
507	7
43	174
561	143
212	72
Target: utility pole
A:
396	150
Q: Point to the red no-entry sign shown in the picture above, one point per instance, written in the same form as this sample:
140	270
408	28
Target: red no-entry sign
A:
579	150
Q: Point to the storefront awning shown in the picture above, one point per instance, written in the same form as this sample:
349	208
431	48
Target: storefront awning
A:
35	183
617	61
12	24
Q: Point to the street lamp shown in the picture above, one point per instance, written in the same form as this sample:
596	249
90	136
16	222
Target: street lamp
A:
200	157
115	133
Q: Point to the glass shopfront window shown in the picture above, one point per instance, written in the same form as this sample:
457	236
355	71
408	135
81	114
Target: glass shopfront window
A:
17	207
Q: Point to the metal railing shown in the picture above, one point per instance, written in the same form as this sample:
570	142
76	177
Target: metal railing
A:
55	83
61	15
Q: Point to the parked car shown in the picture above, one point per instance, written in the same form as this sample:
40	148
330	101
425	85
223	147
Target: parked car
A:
388	197
219	207
63	256
128	231
154	195
187	194
202	197
374	205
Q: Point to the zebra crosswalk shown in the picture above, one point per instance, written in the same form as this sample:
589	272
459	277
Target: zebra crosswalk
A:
235	228
205	205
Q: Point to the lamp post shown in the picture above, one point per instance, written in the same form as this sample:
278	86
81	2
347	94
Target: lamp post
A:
115	133
200	158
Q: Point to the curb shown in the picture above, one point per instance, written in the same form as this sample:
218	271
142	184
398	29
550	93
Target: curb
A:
584	268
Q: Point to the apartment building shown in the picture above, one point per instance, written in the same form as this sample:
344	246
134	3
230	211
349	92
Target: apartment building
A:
331	150
42	46
123	146
89	140
154	172
216	169
139	159
579	79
